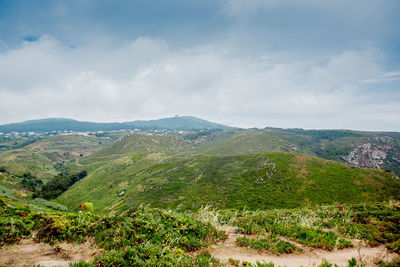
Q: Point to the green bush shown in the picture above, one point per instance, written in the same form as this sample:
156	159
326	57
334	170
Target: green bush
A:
281	223
154	237
59	184
144	236
12	230
270	243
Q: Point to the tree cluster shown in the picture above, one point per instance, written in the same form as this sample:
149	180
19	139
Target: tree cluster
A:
31	182
59	184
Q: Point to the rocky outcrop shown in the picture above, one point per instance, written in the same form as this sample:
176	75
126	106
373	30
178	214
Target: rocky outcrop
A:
366	155
375	153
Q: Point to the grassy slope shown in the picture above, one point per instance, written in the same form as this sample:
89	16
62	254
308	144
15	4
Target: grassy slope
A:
246	142
267	180
336	144
328	144
10	188
332	145
14	194
136	144
39	158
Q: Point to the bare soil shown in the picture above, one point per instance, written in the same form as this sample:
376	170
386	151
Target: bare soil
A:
309	257
30	253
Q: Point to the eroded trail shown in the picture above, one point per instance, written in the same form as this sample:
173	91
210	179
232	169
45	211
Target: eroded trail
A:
309	256
30	253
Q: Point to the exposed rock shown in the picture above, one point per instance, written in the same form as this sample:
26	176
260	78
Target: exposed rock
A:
366	155
378	152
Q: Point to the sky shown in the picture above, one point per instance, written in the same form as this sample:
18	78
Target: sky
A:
313	64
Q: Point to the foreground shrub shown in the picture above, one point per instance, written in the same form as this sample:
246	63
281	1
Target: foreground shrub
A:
270	243
306	235
12	230
157	226
66	227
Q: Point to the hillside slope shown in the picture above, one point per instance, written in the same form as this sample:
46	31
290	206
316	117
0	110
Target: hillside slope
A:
40	158
262	181
379	150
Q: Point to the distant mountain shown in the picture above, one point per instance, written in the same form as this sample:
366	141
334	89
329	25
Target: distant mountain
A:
178	123
59	124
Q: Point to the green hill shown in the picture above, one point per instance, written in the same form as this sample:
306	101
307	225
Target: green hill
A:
227	169
256	181
59	124
178	123
246	142
14	193
379	150
42	158
137	144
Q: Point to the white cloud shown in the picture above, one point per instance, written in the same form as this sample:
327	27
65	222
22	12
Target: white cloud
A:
385	77
146	79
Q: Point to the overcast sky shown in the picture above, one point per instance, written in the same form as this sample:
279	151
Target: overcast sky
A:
249	63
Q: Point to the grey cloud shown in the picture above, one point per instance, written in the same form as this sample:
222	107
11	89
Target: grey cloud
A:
145	79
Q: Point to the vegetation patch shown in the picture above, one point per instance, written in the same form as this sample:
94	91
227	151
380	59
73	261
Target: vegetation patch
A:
59	184
142	236
374	223
261	181
270	243
310	236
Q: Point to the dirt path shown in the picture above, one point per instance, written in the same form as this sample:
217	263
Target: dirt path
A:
309	257
29	253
